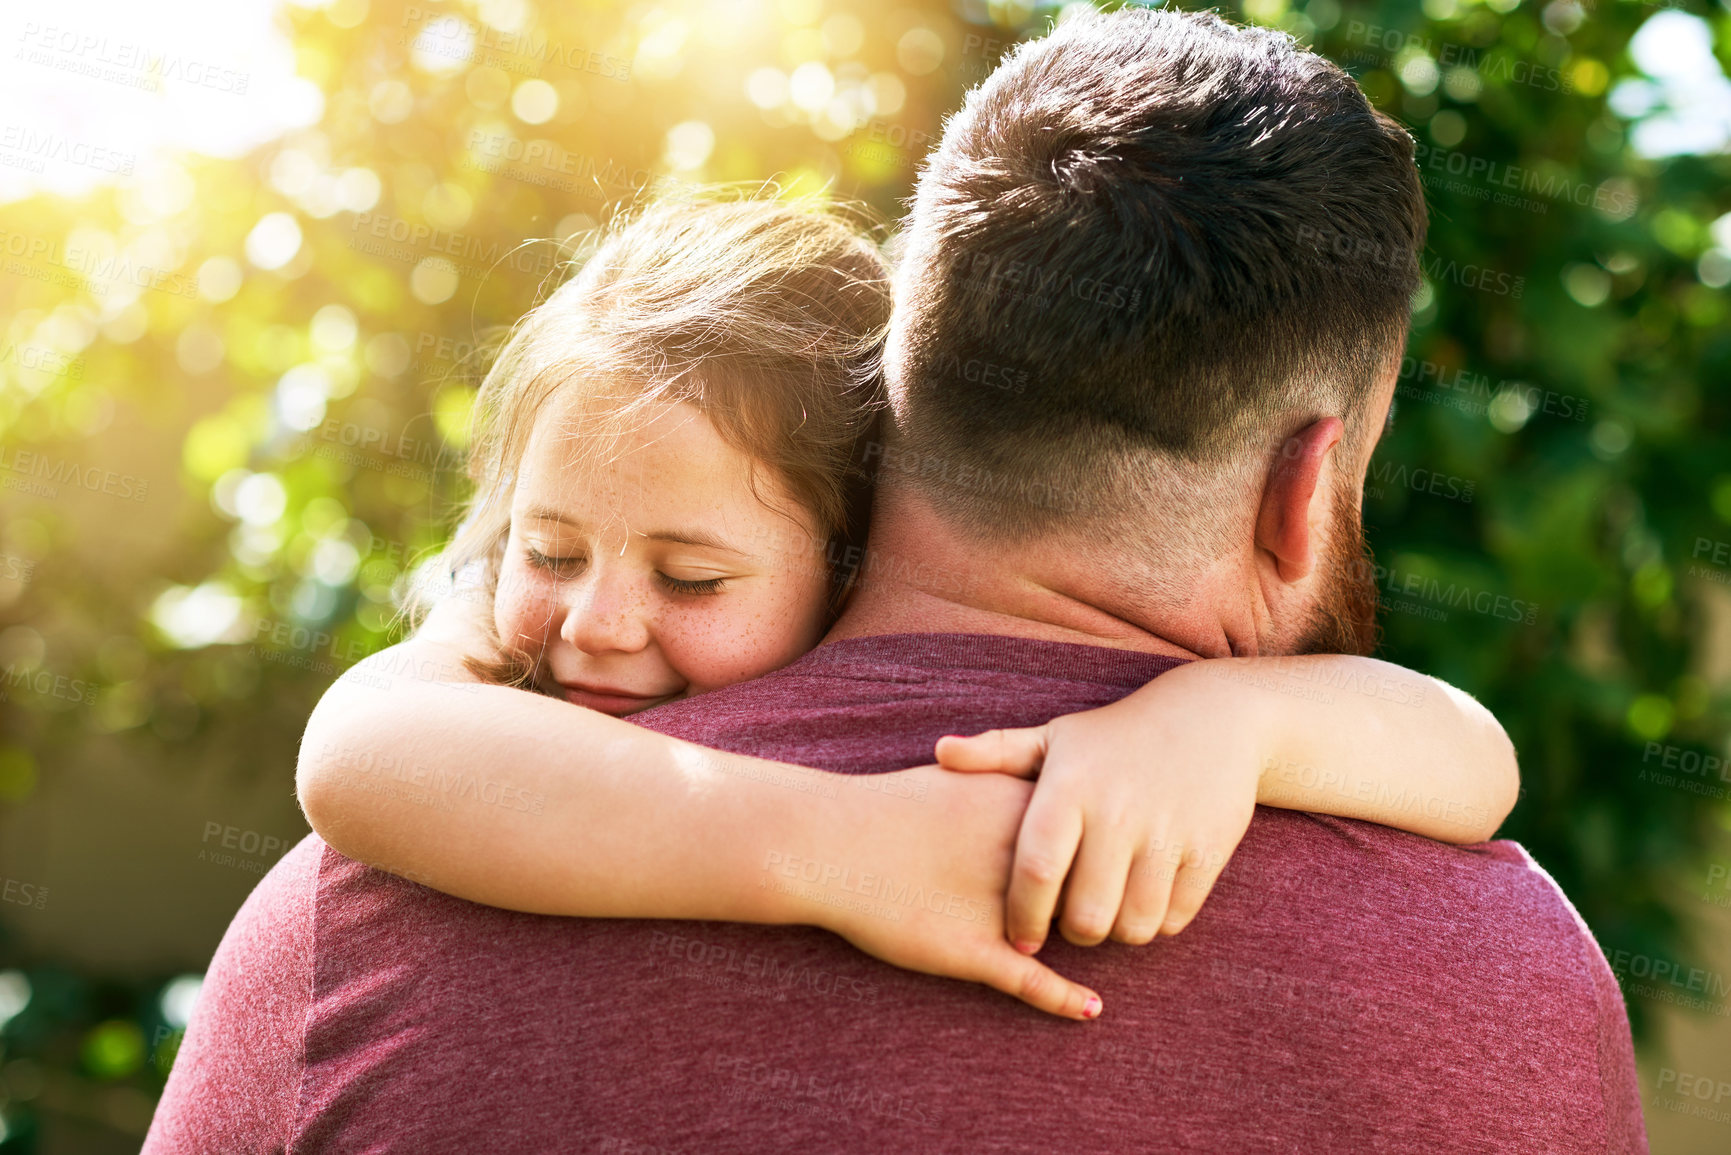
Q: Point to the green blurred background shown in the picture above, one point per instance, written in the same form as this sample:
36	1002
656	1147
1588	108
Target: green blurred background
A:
234	378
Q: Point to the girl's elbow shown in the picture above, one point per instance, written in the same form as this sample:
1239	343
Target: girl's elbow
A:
323	796
1493	814
1509	786
312	791
317	770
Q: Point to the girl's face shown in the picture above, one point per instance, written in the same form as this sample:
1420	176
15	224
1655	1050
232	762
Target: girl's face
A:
658	574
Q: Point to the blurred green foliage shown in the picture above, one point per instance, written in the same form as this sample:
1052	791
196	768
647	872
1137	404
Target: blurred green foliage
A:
283	400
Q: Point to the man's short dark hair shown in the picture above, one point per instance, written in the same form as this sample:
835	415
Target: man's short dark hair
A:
1151	242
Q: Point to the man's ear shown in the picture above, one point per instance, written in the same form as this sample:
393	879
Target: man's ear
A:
1283	521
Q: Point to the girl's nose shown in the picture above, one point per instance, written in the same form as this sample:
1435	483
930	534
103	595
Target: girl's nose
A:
605	612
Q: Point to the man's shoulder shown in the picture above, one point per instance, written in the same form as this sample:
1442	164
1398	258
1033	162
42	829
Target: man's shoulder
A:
1396	864
280	909
274	929
1384	883
1482	919
295	870
1464	966
247	1028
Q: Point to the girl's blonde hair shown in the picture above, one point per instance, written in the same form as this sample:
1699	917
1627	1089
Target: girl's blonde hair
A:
767	317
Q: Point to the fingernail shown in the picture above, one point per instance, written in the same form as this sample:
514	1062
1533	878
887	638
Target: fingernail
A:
1027	945
1091	1008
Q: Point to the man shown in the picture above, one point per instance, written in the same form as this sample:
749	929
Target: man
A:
1123	227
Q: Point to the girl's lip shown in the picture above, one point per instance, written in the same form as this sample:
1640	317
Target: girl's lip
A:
606	699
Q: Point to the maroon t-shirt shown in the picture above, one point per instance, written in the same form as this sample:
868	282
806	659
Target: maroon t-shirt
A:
1346	987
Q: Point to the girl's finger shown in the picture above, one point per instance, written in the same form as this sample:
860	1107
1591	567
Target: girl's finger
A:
1019	752
1097	881
1147	895
1045	847
1195	882
1040	986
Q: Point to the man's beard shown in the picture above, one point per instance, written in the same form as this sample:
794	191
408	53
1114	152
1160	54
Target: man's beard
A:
1344	619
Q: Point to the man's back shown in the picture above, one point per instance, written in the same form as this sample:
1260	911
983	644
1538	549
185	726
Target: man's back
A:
1346	985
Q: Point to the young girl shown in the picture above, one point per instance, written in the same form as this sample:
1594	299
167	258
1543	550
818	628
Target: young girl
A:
668	499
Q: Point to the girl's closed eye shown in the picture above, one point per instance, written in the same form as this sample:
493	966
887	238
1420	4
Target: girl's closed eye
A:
561	566
566	568
682	586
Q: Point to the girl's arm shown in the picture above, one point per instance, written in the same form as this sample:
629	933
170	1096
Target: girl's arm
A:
1362	738
1142	802
510	798
514	799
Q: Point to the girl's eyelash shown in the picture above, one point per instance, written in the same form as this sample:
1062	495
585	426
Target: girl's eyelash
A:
541	561
678	585
707	586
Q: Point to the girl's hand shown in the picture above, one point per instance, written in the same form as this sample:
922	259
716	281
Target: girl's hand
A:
1138	807
921	885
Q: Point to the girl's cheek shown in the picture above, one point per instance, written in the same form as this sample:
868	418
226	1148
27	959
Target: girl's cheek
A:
523	607
718	647
686	641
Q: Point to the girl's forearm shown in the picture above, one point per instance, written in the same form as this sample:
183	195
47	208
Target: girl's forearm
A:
513	799
1362	738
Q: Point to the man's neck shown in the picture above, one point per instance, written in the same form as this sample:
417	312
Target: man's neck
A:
919	576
